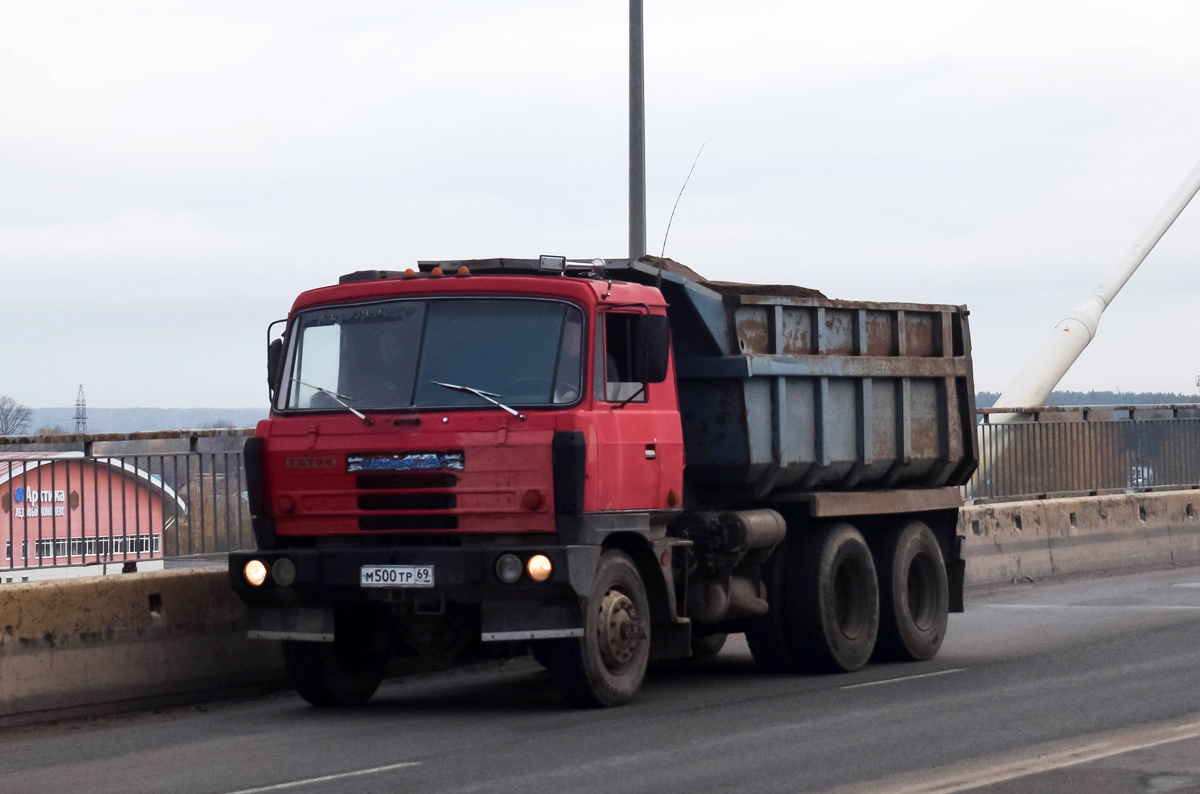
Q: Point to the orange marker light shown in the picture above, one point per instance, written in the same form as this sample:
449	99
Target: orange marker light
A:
539	567
464	271
409	273
437	271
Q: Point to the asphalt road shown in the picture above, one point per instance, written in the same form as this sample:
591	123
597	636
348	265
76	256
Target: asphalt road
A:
1090	686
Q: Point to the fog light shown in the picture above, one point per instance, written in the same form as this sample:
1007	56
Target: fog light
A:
508	568
540	567
255	572
283	572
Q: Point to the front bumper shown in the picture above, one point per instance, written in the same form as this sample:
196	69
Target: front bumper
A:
461	574
330	578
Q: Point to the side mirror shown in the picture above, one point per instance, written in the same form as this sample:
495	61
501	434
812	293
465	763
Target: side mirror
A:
651	347
274	360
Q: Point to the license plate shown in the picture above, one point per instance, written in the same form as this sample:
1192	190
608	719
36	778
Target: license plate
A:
397	576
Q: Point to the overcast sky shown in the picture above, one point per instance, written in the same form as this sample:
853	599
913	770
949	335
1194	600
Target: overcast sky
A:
172	174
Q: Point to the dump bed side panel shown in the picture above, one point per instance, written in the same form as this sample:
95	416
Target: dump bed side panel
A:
783	396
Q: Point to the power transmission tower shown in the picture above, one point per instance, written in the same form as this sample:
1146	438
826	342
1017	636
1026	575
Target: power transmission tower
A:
80	412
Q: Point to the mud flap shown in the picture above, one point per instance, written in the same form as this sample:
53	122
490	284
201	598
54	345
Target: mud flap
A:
955	574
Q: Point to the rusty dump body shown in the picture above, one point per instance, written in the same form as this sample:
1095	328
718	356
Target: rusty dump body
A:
784	392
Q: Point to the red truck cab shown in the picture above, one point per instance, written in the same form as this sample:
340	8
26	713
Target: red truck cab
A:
431	434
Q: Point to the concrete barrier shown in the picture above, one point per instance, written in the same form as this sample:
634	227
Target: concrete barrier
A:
1093	534
100	644
136	638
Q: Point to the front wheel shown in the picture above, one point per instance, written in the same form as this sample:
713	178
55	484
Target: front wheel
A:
606	666
345	672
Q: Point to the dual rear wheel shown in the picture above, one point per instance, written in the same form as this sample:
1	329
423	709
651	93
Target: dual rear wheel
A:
837	600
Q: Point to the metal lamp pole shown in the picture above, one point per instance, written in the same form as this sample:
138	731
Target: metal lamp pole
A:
637	135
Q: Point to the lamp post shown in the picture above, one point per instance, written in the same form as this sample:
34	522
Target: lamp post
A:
637	135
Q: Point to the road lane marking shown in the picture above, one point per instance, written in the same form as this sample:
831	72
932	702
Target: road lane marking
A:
970	775
325	778
903	678
1143	607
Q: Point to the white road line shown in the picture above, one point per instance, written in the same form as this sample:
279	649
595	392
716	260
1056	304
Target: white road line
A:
970	775
325	778
1143	607
903	678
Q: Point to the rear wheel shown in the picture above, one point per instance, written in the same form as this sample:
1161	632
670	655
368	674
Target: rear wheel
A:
708	646
914	593
767	636
831	602
606	666
347	671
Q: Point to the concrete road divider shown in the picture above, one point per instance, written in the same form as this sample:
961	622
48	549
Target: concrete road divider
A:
71	645
100	644
1018	541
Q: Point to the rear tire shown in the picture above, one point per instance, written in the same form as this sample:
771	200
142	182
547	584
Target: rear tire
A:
831	602
767	635
914	593
542	651
345	672
606	666
708	646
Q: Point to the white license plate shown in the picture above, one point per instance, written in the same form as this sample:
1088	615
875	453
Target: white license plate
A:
397	576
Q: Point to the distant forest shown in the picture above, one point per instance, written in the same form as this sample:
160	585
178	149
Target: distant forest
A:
132	420
986	399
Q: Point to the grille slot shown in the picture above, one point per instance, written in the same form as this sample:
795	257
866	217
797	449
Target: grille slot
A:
408	501
376	523
406	479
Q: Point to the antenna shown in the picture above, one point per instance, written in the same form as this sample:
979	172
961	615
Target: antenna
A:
80	412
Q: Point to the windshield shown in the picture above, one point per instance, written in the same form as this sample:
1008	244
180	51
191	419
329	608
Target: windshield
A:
388	355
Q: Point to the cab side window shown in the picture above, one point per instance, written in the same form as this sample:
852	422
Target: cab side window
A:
614	376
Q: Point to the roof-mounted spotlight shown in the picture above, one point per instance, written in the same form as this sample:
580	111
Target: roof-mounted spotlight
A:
554	264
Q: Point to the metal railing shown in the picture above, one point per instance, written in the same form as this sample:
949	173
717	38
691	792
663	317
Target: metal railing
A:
1034	453
100	503
97	501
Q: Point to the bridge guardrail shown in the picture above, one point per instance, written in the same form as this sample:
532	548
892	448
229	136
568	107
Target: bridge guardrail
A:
1062	451
104	502
101	500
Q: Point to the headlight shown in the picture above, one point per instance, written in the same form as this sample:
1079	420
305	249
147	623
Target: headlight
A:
283	572
255	572
508	568
540	567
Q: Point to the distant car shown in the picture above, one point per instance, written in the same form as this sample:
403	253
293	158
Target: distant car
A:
1140	476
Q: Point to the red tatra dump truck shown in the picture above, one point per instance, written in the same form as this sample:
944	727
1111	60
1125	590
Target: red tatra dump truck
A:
605	463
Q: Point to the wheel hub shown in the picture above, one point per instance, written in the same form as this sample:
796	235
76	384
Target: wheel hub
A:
619	630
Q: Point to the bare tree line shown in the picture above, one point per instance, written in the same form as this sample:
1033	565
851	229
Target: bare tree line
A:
14	417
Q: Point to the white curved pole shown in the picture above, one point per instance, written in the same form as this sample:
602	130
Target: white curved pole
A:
1074	332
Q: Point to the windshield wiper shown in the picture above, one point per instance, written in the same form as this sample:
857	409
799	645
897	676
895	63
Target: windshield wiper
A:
633	396
487	395
341	399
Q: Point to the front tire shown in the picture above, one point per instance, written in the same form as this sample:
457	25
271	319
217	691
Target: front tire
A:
607	665
345	672
914	593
